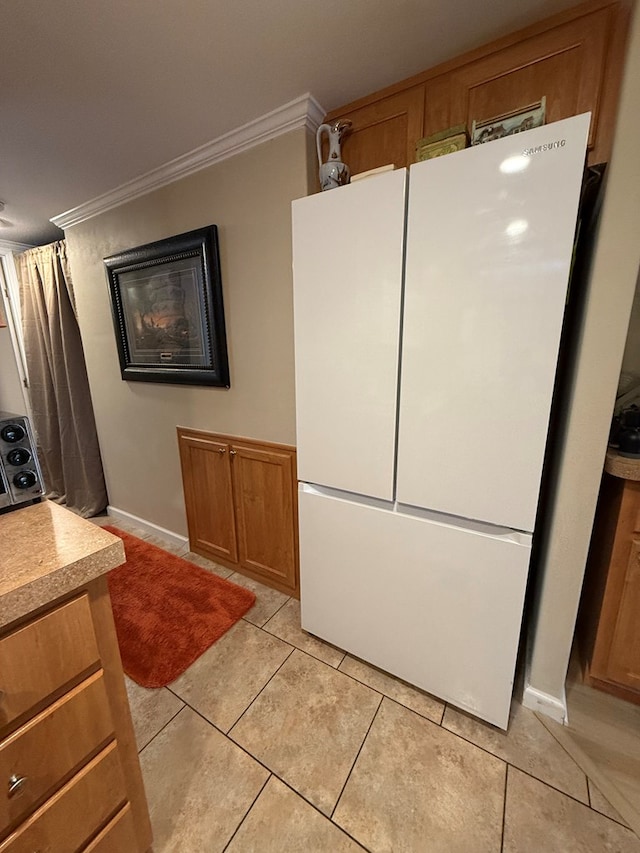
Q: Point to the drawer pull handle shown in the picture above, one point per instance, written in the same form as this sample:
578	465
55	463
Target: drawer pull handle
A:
232	452
16	784
221	450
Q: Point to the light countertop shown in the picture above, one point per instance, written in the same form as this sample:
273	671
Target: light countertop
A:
47	551
621	466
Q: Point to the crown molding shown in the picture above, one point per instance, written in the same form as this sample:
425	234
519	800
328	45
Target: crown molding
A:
8	247
304	111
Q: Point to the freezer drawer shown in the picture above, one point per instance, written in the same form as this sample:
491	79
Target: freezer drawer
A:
435	605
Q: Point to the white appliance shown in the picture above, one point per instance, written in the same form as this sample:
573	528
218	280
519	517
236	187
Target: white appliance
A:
428	313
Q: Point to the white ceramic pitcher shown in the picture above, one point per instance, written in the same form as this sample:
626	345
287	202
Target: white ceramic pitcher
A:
333	173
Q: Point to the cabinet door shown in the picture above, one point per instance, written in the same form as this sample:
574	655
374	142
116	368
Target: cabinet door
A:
263	489
206	476
624	654
564	64
383	132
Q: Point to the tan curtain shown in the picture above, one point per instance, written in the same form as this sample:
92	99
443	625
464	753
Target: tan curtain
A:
62	412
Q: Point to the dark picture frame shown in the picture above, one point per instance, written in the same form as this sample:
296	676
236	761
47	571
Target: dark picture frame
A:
168	314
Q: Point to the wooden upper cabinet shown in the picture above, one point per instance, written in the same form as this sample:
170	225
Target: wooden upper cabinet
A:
385	131
565	64
574	59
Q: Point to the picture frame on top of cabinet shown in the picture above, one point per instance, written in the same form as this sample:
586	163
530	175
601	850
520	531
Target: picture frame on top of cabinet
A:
168	314
508	124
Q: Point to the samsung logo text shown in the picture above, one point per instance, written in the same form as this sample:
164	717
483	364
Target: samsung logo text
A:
548	146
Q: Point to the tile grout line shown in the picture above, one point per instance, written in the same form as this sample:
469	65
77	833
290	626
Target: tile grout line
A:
333	811
566	751
274	614
262	627
320	812
266	768
246	814
358	681
259	693
516	767
162	728
237	720
304	651
504	806
562	793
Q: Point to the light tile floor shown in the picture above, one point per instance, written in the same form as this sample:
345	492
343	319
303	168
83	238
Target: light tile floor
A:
276	742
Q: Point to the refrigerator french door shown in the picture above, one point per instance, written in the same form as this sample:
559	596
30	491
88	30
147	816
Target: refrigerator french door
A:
427	328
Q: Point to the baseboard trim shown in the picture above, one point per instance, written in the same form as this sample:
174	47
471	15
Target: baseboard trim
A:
148	526
544	703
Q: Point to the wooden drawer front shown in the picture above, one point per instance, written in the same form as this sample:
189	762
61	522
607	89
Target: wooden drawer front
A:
118	836
44	656
73	815
52	746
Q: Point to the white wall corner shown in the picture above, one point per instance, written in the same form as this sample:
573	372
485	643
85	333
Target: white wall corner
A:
303	111
543	703
147	527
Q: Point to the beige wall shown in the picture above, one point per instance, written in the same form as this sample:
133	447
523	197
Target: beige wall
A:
11	398
248	197
610	297
631	360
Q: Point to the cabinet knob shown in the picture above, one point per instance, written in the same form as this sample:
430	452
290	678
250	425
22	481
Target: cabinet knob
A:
16	784
221	450
232	452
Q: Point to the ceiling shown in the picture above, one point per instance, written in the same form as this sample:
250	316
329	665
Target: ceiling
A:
95	93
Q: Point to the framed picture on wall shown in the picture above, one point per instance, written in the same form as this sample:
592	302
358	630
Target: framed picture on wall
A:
166	300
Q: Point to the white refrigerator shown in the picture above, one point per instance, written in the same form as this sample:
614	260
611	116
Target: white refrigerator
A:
428	313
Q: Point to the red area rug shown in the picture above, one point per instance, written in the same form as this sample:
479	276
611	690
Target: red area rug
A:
168	611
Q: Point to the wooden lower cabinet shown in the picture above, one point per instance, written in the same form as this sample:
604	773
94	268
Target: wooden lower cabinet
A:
610	607
241	503
68	758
